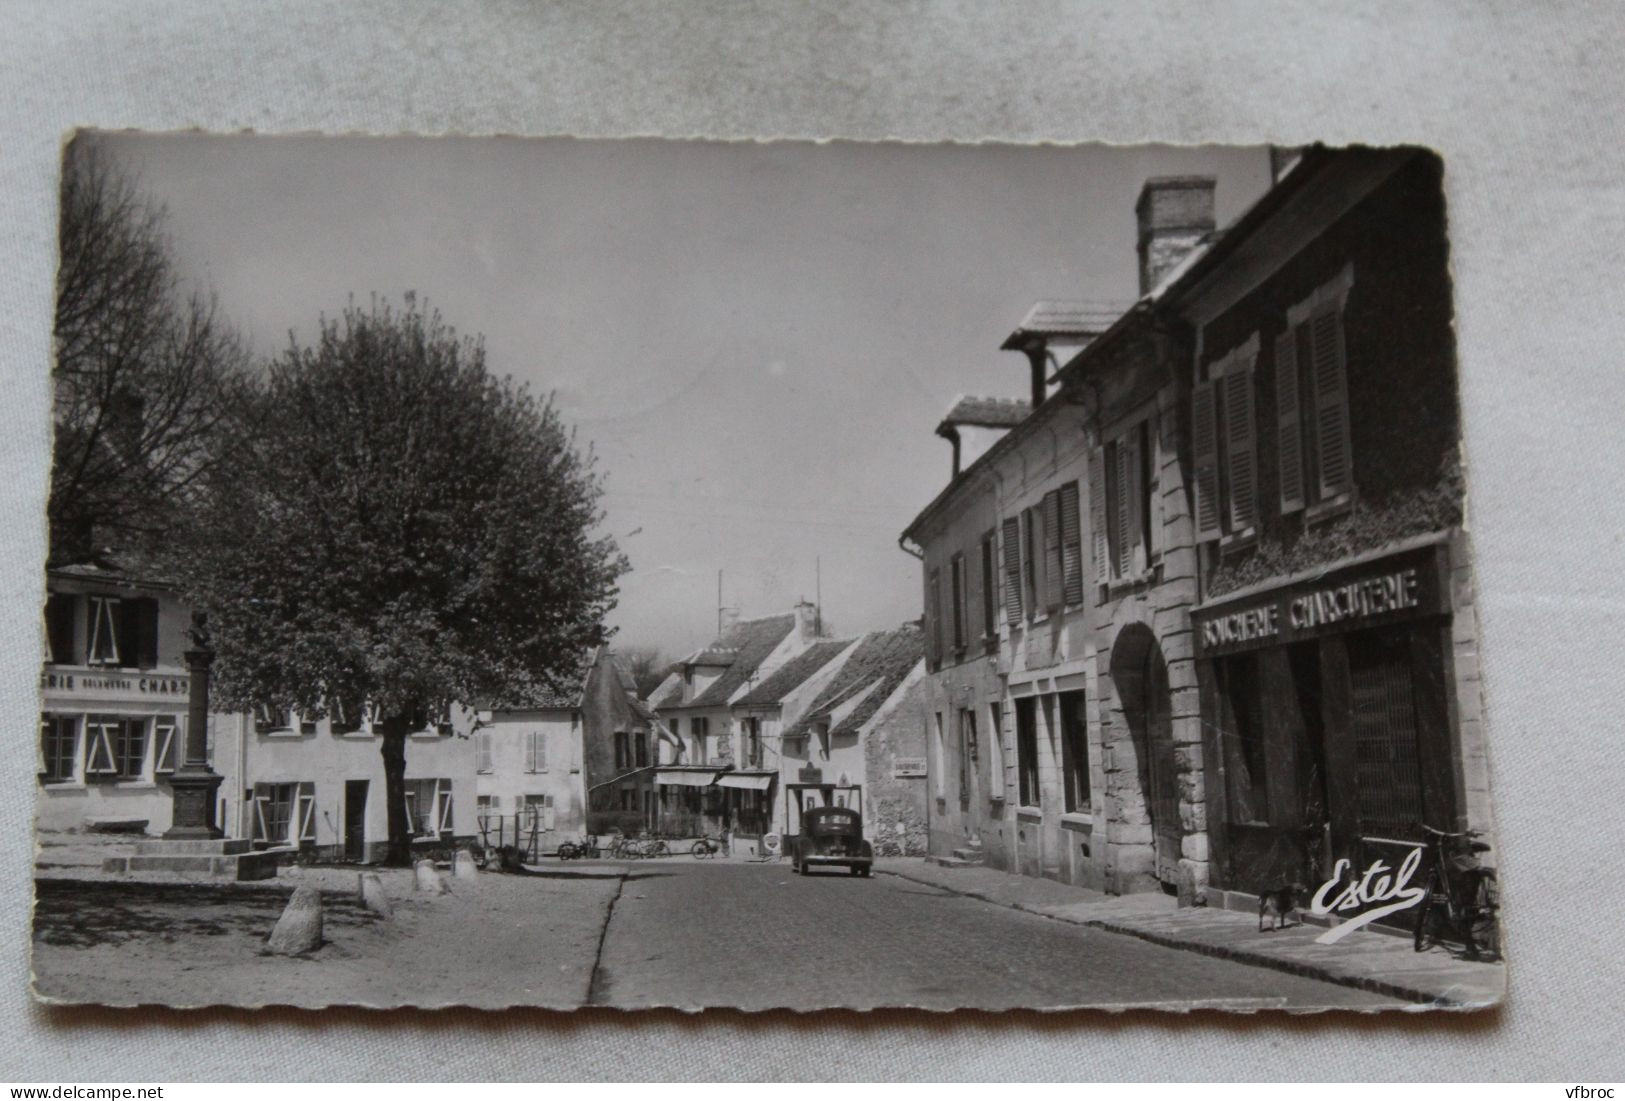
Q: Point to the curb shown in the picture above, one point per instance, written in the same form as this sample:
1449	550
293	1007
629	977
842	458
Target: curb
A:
1386	988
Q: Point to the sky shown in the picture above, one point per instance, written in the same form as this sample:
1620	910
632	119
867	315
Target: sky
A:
756	339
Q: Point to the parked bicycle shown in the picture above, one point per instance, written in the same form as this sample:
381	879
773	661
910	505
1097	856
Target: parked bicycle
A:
584	849
1461	901
706	847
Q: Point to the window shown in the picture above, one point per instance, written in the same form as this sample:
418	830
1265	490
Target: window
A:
102	648
482	751
1311	401
967	753
59	747
1027	749
429	807
957	567
487	807
1383	722
1075	752
116	748
536	751
430	720
622	750
699	728
538	812
1071	523
61	618
753	743
167	739
640	743
990	619
1224	446
270	719
995	751
285	814
348	716
1052	550
1125	506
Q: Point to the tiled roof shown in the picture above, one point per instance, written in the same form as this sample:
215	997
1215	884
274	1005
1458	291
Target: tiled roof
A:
986	412
1054	318
789	676
753	640
714	654
873	671
670	691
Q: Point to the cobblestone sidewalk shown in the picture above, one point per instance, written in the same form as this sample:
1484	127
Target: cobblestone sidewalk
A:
1377	962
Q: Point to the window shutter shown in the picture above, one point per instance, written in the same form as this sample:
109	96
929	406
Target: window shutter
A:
1151	494
1097	514
934	610
1239	441
1288	430
1031	551
538	749
447	820
1071	545
99	748
1012	569
1331	404
167	745
1205	460
482	751
306	804
1053	581
1130	521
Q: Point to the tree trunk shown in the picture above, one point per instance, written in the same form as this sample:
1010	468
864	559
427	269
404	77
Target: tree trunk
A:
399	853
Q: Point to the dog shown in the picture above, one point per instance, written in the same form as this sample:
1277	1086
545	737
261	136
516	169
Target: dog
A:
1276	903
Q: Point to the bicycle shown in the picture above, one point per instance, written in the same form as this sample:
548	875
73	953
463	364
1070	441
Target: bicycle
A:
1460	896
585	849
706	847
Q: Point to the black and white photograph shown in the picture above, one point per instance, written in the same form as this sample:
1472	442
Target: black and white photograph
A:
547	572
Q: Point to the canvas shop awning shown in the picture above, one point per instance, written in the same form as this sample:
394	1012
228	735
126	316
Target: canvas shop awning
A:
703	778
747	781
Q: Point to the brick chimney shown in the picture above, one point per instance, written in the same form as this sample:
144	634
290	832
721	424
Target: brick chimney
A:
1175	213
807	620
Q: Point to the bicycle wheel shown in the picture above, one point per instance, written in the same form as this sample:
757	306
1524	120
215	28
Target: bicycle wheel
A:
659	849
1482	930
701	850
1427	924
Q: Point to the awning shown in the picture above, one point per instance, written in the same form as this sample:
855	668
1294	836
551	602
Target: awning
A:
748	782
703	778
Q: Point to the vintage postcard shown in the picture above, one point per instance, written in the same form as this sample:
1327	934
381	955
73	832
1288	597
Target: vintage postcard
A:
541	572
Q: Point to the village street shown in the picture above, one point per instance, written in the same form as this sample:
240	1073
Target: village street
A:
675	932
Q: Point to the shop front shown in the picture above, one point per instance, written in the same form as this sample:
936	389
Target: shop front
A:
1329	708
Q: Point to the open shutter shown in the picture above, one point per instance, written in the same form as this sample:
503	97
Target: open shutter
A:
261	798
1052	550
305	813
1288	428
1205	460
164	732
1097	515
1239	440
1012	569
1331	404
1071	545
99	749
447	821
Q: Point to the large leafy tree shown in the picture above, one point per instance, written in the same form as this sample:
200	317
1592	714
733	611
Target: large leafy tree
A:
393	527
144	371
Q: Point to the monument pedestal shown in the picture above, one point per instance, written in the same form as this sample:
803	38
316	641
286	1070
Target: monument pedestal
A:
219	858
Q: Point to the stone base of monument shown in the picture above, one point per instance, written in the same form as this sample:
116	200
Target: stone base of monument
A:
221	859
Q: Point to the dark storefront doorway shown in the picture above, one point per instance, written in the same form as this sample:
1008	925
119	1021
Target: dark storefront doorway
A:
1141	676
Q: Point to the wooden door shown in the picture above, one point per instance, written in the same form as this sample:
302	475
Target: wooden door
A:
355	820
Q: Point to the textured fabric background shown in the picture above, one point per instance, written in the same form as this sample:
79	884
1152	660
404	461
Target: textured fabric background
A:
1522	100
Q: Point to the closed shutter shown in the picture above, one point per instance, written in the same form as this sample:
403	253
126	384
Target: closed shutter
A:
482	751
1097	514
1071	545
1031	551
1239	439
1130	522
1205	460
538	750
1053	581
1012	569
1288	429
1331	404
934	611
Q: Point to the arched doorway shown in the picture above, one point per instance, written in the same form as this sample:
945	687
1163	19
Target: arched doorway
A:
1140	676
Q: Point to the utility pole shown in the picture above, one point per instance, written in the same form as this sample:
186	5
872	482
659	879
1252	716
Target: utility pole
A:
719	603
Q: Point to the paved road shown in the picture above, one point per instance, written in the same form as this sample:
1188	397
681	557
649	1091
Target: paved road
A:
691	934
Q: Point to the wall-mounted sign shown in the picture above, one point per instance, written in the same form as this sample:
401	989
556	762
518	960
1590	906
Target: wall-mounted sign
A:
1396	588
809	775
905	768
91	685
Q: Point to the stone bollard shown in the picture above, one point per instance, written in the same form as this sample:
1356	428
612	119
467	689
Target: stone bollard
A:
463	866
429	880
299	929
371	890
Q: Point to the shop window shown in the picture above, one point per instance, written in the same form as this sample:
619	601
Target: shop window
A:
1027	750
967	752
1387	753
116	748
1011	542
61	620
1124	502
1224	446
1075	752
59	748
1244	750
536	751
